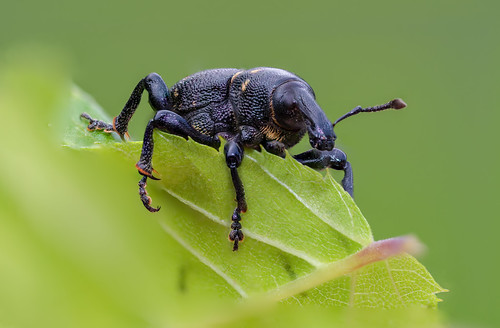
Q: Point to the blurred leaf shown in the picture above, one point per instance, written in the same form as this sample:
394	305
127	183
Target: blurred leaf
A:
298	222
314	316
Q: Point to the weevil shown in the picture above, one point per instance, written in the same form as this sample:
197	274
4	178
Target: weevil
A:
263	106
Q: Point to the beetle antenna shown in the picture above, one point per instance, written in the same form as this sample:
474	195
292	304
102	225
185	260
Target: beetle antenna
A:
397	103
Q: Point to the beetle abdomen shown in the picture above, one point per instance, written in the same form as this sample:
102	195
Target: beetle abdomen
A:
213	119
201	89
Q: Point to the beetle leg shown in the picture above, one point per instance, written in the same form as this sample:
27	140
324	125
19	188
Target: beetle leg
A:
169	122
335	159
275	147
146	200
97	124
234	156
158	99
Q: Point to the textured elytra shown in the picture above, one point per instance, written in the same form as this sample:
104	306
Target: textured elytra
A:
201	89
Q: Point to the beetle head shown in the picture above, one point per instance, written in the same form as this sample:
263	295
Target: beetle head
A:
294	106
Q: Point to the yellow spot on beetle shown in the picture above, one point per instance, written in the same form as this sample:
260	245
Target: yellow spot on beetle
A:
176	93
244	85
234	76
255	71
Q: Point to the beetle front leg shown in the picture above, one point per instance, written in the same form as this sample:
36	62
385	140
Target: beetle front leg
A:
234	155
335	159
169	122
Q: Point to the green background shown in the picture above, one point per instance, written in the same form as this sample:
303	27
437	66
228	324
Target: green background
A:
429	169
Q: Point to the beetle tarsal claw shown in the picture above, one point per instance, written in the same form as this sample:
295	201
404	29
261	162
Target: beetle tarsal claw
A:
235	245
146	200
236	236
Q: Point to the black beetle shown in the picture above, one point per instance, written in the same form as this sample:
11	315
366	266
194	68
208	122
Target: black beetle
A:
262	106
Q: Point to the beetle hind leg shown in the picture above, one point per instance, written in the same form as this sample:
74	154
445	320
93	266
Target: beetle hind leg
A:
158	99
101	125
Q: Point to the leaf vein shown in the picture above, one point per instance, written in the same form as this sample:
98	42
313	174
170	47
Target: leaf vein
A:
302	201
343	200
420	276
300	254
396	288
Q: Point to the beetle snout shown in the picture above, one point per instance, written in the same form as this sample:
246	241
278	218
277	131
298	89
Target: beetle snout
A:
323	142
322	136
322	139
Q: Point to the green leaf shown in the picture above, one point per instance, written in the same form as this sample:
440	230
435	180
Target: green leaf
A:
298	222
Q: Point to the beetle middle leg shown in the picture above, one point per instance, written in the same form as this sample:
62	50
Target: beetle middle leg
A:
335	159
234	156
172	123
